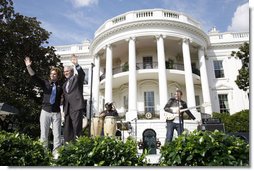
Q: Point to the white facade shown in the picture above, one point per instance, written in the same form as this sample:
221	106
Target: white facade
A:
142	57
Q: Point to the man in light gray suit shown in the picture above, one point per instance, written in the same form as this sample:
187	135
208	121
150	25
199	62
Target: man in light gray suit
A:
74	103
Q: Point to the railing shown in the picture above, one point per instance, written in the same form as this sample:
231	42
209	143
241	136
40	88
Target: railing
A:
153	65
171	15
228	37
74	48
142	115
240	35
149	14
144	14
118	19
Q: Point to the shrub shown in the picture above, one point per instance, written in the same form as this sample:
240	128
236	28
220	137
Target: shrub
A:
99	151
238	122
20	150
205	149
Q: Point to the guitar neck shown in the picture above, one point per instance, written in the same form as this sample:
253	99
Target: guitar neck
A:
193	107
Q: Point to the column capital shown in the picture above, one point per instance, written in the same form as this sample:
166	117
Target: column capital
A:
160	36
99	54
186	40
131	38
201	48
107	46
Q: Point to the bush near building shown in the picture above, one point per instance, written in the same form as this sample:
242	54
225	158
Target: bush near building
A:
238	122
20	150
100	151
205	149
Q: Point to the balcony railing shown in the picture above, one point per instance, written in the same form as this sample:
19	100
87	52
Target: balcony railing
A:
153	65
147	15
142	115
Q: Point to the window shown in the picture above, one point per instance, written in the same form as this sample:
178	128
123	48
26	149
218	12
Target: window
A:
149	101
148	62
197	99
125	102
86	76
223	101
218	69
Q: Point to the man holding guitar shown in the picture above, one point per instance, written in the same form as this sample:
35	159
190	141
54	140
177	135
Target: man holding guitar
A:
174	110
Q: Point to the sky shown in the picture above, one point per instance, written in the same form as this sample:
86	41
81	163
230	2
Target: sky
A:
74	21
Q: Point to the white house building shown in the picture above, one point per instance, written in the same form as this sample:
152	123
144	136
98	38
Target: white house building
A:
141	57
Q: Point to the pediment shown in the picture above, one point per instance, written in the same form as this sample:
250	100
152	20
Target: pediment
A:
223	87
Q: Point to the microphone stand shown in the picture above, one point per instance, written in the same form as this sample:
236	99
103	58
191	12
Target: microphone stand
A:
90	102
180	118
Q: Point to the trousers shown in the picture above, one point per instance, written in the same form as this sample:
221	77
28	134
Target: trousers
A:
73	121
46	119
171	126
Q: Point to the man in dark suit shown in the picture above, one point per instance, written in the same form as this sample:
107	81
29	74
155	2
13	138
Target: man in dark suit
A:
175	120
74	103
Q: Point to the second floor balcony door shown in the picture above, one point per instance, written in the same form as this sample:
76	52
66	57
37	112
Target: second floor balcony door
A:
148	62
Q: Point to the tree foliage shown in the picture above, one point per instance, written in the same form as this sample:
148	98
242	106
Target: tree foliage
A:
238	122
22	36
242	80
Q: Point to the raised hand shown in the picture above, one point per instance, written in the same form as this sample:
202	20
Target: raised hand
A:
28	61
74	59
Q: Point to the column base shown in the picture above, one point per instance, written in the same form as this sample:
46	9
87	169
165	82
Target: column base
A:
129	116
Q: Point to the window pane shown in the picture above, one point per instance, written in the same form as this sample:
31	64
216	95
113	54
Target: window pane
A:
148	62
86	76
125	101
149	101
223	101
197	103
218	69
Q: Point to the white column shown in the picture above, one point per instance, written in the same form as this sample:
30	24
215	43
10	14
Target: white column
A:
109	76
96	85
204	80
190	93
163	90
132	103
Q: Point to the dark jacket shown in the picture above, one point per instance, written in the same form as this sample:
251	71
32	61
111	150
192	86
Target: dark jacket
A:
46	86
74	97
172	102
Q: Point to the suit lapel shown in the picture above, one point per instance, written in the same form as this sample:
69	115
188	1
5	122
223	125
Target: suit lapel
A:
71	83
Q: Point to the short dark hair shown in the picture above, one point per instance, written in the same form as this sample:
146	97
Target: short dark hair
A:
179	91
108	105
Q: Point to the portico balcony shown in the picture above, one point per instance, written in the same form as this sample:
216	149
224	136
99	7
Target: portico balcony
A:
151	68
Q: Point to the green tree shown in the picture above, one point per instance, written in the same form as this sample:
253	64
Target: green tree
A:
242	80
22	36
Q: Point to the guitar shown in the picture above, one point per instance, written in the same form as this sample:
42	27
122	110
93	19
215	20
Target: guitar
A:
171	116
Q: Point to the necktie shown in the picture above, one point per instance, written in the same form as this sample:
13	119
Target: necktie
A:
53	94
67	85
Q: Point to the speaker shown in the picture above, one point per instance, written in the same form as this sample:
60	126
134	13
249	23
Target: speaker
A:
211	121
211	127
242	135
